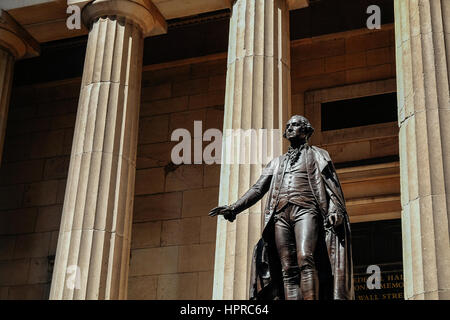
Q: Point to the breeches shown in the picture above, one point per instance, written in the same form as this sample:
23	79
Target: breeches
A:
296	235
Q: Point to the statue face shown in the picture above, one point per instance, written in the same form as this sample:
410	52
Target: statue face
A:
296	129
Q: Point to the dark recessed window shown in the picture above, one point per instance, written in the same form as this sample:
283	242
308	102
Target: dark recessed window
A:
377	246
359	112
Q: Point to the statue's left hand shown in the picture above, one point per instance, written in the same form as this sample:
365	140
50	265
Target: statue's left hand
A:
335	219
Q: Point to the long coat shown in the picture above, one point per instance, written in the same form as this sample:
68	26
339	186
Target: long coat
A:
333	253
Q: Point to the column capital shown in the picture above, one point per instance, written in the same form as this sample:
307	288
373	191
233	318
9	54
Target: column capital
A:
16	39
142	12
297	4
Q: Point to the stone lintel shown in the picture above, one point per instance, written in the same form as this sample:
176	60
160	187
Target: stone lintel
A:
292	4
16	39
143	12
14	4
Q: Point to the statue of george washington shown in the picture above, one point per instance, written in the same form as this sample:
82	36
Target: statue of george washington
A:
305	249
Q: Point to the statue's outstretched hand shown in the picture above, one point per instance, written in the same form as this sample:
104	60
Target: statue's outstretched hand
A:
225	211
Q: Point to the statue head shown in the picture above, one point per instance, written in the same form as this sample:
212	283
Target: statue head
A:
298	129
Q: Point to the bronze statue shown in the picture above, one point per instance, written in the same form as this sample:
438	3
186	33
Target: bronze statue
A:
305	249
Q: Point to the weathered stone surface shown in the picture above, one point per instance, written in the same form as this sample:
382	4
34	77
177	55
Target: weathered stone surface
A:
210	99
211	68
68	139
422	49
48	144
158	207
158	218
53	243
17	148
157	77
32	245
208	228
380	56
159	92
375	39
318	81
164	106
7	244
146	235
384	147
196	257
181	286
258	95
39	271
369	73
192	207
11	197
97	215
21	172
310	68
205	285
217	83
211	176
56	168
180	232
29	292
184	177
349	151
149	181
52	106
18	221
214	118
4	291
49	218
154	155
40	193
142	288
318	49
14	272
63	121
154	261
61	191
190	87
185	120
154	129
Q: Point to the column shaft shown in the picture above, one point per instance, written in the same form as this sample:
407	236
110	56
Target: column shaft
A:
6	78
93	247
15	43
257	96
422	30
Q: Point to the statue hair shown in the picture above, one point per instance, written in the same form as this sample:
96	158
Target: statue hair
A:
306	125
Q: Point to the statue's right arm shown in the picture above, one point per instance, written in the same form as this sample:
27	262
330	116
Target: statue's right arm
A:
257	191
253	195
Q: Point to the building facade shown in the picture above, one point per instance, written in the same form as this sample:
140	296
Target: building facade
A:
92	205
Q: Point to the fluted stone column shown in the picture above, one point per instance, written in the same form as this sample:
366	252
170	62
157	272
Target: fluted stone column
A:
257	96
15	43
422	31
6	78
93	250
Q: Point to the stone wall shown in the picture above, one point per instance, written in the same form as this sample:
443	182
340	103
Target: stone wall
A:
344	66
173	239
340	59
32	183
